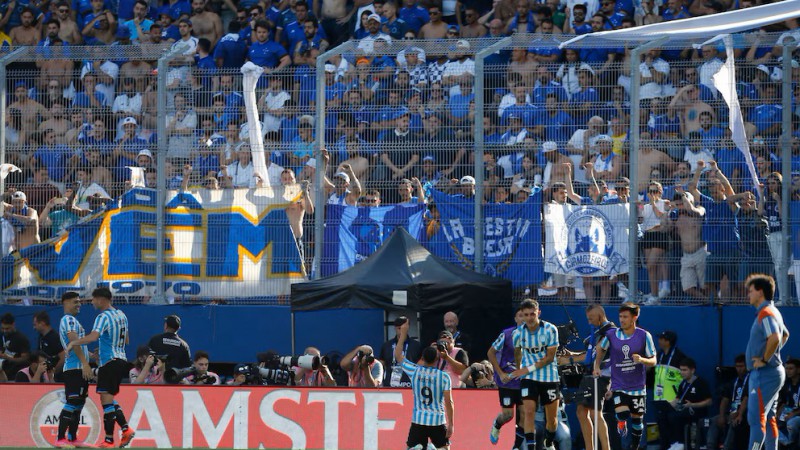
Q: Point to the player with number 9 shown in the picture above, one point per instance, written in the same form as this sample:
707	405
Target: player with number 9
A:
432	417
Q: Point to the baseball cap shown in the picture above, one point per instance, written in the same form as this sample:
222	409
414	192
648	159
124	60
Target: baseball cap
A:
549	146
462	43
452	28
362	60
241	369
186	21
763	68
604	138
145	152
129	120
400	320
343	176
466	179
330	68
20	84
669	335
312	162
586	67
173	321
374	16
429	158
19	195
445	333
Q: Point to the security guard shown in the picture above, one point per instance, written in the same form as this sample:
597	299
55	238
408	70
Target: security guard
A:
170	344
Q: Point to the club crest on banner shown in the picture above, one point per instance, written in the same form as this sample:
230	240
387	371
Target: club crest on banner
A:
45	415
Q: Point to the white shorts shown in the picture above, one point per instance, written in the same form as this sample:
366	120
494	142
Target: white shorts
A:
693	269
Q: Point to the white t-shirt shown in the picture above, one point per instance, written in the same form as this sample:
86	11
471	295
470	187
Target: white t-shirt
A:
649	218
242	176
83	194
272	101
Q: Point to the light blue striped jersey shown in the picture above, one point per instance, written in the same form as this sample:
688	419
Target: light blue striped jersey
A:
428	385
534	345
112	325
70	324
626	375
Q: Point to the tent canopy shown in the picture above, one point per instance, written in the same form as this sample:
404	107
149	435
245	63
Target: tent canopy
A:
427	285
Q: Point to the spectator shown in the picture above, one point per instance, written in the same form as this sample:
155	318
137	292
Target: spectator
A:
68	28
583	102
206	24
180	128
27	33
655	243
239	173
29	109
16	349
25	221
268	54
41	189
60	213
695	152
364	370
691	405
689	106
606	164
339	191
436	28
686	219
769	207
56	122
88	194
767	115
231	50
719	231
472	28
405	189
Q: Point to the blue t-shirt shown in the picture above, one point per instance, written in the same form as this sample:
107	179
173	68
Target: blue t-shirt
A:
720	227
415	17
232	49
266	54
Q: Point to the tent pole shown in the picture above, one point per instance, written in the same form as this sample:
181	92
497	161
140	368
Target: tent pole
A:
292	331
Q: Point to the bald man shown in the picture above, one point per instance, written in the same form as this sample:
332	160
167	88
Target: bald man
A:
460	339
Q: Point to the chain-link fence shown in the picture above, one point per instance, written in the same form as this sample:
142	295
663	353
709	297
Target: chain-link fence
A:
481	148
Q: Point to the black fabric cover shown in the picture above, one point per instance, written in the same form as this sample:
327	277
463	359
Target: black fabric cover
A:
433	286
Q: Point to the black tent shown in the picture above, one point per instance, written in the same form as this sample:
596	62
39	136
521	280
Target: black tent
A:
432	288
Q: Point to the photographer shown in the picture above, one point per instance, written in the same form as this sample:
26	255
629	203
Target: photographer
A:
49	342
479	375
170	344
362	368
40	370
310	377
240	374
412	350
147	369
202	374
454	360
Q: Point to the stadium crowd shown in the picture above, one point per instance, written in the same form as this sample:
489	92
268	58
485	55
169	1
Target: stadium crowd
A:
400	115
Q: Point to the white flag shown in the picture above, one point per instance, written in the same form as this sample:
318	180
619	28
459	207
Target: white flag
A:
725	82
5	169
251	74
137	177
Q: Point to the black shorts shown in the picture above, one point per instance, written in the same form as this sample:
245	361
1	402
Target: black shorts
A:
636	403
75	386
110	376
419	435
587	387
541	392
655	239
509	397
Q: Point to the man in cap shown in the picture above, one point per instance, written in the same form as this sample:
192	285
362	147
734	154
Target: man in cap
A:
345	189
452	360
467	186
171	345
24	219
412	350
558	168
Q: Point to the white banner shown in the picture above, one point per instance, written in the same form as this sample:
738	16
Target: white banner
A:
251	74
586	241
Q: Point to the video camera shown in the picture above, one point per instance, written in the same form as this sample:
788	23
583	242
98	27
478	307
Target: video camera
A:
567	333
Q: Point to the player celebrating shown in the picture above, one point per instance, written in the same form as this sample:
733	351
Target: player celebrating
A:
433	401
507	387
77	374
768	335
631	350
111	328
535	345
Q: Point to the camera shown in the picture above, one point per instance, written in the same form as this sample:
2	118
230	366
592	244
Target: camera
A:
50	362
567	333
256	375
441	345
304	361
162	358
368	358
174	375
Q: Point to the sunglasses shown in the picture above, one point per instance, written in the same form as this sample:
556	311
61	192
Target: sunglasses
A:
63	10
653	191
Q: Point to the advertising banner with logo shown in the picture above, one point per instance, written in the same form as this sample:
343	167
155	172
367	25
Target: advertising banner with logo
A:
249	417
586	241
217	244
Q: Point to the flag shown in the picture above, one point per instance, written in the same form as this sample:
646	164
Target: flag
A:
725	82
137	176
5	169
353	233
512	236
586	241
251	74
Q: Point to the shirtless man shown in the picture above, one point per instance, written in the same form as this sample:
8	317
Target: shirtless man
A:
101	27
297	210
558	166
335	18
138	70
28	33
649	159
205	23
436	28
686	219
31	109
69	31
345	189
24	219
57	121
358	163
61	69
687	103
473	28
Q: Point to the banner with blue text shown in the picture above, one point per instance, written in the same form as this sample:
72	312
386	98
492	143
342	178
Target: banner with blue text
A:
512	236
586	241
353	233
218	244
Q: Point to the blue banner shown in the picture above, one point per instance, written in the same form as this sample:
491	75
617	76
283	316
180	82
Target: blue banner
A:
512	236
218	244
352	233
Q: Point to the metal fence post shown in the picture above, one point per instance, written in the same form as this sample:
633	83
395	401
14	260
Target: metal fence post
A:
633	241
161	158
479	144
4	62
784	286
319	190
